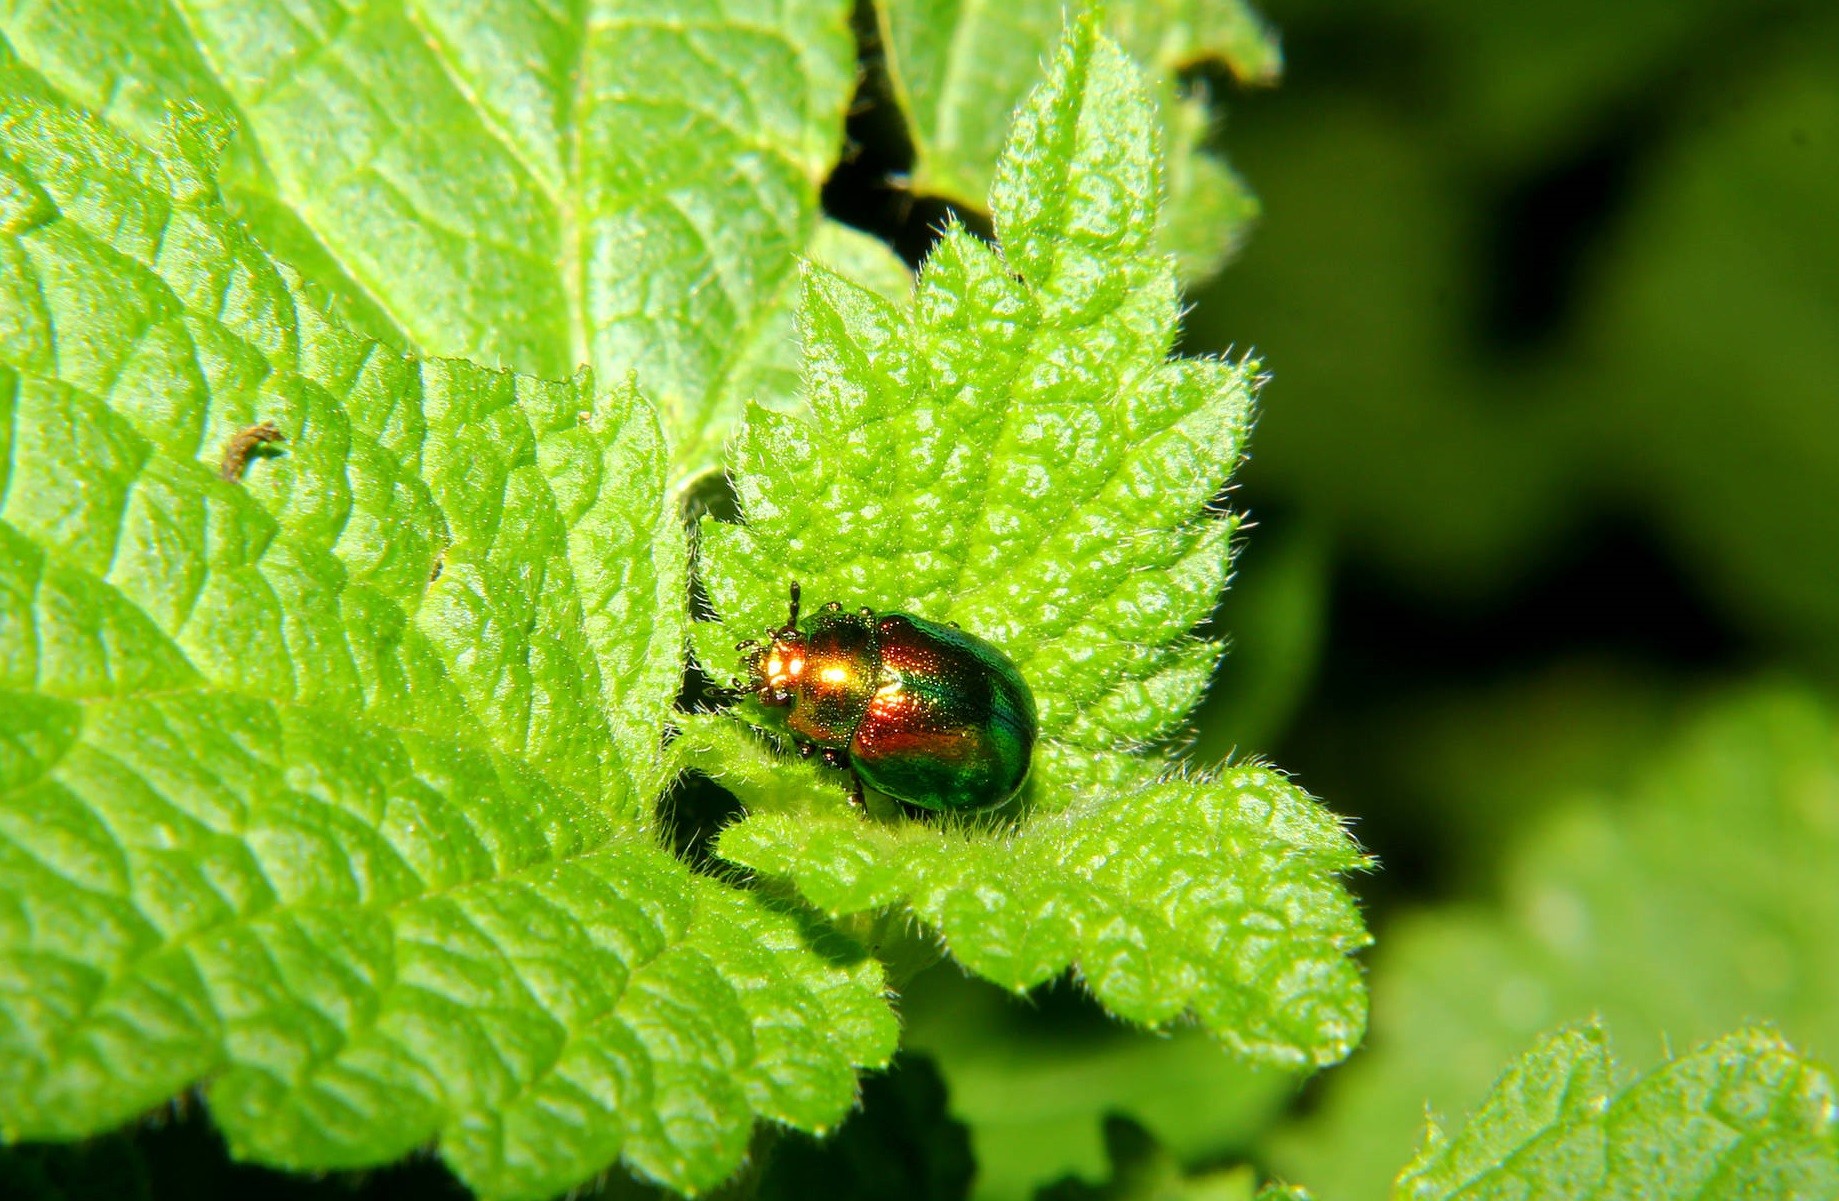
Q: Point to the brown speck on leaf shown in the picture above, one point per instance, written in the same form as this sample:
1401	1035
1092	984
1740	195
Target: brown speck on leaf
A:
440	564
242	445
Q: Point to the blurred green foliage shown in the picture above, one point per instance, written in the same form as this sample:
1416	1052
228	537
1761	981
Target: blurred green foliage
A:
1699	900
1273	613
1524	266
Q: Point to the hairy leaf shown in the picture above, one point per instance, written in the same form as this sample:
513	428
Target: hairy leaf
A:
1018	454
616	183
1738	1118
959	69
330	784
1699	902
1209	897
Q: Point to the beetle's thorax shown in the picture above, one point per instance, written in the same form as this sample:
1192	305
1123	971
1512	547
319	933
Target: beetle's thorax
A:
829	670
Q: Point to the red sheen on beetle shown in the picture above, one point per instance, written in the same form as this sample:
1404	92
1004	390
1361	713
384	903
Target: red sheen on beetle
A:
924	712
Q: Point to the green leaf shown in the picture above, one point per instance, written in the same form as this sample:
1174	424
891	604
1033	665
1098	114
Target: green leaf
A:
1018	454
1742	1117
1207	897
769	370
621	184
331	788
1226	909
958	70
1702	899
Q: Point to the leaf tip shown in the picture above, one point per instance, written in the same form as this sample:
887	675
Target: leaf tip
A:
1082	164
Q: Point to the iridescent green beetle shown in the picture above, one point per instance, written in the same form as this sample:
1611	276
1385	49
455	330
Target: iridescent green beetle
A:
924	712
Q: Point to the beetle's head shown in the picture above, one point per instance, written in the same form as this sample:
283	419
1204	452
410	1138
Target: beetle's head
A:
777	667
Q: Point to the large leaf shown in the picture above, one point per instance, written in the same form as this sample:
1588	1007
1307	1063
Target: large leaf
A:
331	787
1018	454
626	185
959	69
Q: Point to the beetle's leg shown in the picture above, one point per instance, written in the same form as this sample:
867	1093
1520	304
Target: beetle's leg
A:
856	800
835	758
747	645
806	749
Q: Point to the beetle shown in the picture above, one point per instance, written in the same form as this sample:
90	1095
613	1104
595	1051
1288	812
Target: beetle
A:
924	712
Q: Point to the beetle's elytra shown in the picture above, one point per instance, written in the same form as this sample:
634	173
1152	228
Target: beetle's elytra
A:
924	712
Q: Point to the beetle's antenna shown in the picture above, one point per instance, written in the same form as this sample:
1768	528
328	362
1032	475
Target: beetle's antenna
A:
791	623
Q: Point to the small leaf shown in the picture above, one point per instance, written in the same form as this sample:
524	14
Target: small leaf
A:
1561	1082
1018	453
959	70
331	788
1742	1117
